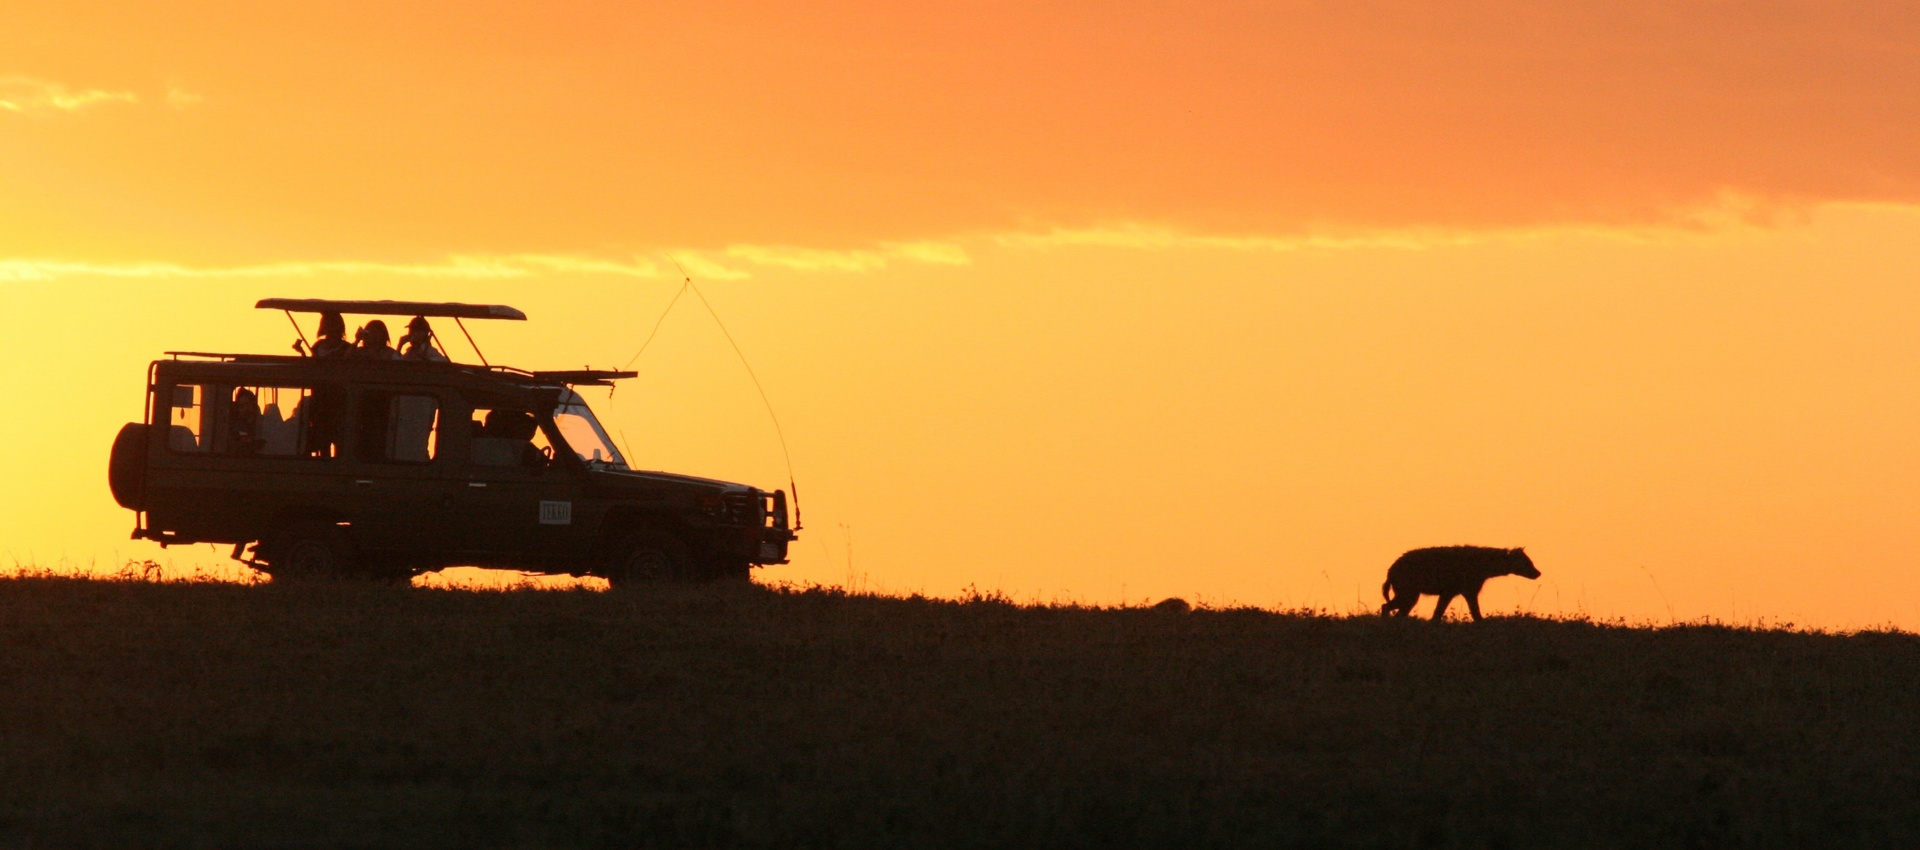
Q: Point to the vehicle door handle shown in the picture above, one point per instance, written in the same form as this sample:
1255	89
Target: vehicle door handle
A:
477	484
363	482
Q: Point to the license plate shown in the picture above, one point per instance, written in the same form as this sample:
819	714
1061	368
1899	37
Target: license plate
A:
769	551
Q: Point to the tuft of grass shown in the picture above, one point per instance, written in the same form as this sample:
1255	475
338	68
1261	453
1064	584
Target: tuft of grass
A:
181	713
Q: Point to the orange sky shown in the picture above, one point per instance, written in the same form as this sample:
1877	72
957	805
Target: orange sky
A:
1234	301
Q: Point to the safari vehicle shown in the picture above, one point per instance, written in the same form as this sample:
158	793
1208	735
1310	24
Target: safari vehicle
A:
386	468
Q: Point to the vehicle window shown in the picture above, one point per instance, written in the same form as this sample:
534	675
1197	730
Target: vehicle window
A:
583	432
268	421
186	420
398	428
506	437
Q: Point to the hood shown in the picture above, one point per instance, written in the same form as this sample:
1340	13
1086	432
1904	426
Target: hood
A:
631	478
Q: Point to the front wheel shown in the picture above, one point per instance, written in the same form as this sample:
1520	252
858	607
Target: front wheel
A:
649	558
729	571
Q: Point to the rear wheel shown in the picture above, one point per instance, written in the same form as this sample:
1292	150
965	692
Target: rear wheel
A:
649	557
309	550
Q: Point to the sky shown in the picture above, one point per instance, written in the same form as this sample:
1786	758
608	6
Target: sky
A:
1100	303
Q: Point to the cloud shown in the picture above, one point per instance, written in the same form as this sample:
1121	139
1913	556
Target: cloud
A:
696	265
1729	214
932	253
817	259
808	259
521	265
1151	237
1732	215
27	94
479	267
699	264
180	98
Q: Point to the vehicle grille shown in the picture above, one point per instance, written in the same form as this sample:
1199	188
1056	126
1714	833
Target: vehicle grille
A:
743	508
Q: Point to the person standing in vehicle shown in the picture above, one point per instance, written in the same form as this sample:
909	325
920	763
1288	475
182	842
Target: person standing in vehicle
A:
418	343
243	423
324	413
332	341
373	342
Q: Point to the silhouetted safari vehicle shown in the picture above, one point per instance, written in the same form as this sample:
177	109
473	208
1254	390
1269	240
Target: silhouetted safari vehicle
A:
385	468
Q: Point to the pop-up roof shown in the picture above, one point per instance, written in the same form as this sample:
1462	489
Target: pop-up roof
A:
447	310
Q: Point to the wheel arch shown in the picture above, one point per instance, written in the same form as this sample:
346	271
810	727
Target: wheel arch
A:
289	517
622	523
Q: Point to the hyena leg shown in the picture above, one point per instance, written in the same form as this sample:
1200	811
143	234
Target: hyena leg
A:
1440	610
1473	605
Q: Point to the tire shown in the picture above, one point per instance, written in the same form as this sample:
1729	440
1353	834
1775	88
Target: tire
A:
127	466
730	572
649	557
310	550
386	571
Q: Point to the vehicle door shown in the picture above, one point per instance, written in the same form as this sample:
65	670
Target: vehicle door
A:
515	494
400	493
236	455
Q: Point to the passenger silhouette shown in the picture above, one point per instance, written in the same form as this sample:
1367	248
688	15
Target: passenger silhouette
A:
418	343
372	342
243	423
324	412
332	340
517	427
278	434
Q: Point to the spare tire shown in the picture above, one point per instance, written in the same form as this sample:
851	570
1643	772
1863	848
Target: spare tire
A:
127	469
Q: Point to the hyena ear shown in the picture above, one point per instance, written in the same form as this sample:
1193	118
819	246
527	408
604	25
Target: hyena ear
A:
1518	550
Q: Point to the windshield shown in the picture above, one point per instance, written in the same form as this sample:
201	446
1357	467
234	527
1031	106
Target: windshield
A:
583	432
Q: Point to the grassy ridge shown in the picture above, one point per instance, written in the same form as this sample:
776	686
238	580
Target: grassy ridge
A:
177	714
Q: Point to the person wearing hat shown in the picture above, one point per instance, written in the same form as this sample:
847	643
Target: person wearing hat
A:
373	342
418	343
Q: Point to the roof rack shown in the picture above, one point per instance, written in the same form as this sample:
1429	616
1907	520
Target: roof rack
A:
445	309
585	377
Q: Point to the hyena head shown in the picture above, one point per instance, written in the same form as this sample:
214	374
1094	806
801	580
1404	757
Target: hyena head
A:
1519	564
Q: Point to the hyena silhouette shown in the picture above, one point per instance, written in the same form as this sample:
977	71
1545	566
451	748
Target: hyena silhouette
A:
1446	572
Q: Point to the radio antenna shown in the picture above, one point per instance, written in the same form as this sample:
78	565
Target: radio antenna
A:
777	430
686	284
662	320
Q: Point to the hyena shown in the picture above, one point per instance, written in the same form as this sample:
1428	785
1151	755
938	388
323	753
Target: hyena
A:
1446	572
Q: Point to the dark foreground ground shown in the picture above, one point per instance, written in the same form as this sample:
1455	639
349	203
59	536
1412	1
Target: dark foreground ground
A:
136	714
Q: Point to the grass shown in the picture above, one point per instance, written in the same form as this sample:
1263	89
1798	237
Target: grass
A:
200	713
